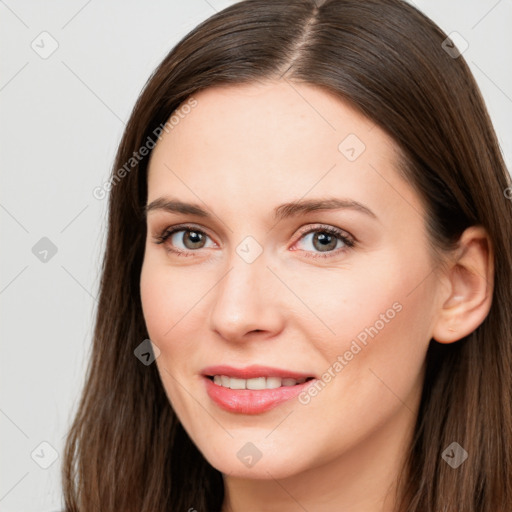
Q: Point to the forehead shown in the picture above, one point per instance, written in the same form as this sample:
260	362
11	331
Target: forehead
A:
273	141
277	120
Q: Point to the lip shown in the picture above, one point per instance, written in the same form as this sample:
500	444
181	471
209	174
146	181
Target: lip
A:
250	372
248	401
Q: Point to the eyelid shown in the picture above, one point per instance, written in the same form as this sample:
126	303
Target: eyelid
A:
348	239
169	231
327	227
308	228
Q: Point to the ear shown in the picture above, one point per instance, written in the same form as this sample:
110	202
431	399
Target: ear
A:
467	299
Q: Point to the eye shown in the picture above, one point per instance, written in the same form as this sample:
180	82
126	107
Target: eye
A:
327	241
183	239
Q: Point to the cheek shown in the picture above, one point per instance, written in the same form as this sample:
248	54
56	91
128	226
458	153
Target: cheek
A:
173	304
348	301
167	296
156	299
166	311
379	322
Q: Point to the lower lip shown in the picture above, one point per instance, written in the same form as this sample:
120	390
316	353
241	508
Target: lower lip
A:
249	401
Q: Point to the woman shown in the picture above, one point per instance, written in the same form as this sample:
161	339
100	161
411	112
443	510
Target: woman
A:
308	220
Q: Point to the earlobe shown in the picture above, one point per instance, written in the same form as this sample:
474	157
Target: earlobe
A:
471	278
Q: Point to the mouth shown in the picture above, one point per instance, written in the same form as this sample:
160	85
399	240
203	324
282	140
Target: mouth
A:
254	389
256	383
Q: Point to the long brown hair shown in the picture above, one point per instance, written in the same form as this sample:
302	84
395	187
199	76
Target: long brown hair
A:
126	450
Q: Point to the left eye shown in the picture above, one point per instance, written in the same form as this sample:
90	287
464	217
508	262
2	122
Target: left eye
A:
326	240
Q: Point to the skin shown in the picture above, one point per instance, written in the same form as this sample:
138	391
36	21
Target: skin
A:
242	151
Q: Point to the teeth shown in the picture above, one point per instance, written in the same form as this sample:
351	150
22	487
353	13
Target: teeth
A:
273	382
237	383
255	383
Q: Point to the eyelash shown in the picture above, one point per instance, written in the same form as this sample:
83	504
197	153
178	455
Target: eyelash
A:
348	241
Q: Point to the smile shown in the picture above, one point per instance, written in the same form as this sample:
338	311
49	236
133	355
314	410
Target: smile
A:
254	389
255	383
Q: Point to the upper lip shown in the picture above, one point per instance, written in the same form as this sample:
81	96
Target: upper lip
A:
253	371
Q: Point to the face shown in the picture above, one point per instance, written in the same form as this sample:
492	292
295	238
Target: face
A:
322	310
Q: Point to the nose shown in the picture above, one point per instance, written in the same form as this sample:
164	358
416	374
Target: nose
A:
246	302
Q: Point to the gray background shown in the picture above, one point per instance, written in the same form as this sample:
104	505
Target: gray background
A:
61	120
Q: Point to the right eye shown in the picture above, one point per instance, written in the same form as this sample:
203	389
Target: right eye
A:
189	237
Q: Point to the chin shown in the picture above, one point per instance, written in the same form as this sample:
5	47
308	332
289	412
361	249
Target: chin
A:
262	470
259	460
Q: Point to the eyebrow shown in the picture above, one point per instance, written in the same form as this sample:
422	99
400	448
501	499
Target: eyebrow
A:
281	212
